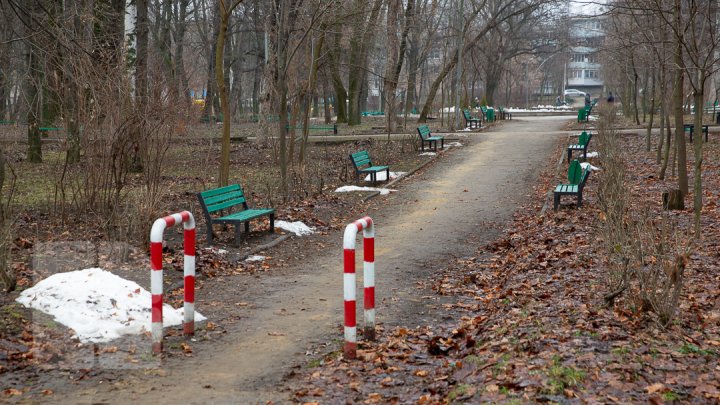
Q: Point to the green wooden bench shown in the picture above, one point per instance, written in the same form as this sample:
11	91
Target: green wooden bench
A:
471	121
504	114
584	114
577	176
231	200
362	159
582	145
432	140
332	128
7	122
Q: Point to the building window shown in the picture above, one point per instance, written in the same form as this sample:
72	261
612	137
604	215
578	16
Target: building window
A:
575	74
592	58
577	57
591	74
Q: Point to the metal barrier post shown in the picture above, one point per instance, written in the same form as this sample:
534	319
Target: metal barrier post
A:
366	225
156	274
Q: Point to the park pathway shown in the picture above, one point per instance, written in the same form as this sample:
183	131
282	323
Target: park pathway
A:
445	211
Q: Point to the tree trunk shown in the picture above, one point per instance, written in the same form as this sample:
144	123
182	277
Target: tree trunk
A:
698	148
673	200
210	98
224	11
360	42
668	143
678	105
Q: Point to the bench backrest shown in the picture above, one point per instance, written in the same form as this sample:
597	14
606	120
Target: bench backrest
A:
575	172
467	115
360	159
424	132
221	198
584	138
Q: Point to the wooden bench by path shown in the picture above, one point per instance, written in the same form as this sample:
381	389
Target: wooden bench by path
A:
471	121
691	129
577	176
582	145
230	199
426	136
504	114
362	163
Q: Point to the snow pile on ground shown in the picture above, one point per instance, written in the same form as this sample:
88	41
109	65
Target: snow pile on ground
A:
592	155
345	189
98	305
297	227
255	258
216	250
456	144
380	176
541	108
428	154
588	166
466	129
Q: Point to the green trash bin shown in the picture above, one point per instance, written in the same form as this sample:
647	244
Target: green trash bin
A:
490	114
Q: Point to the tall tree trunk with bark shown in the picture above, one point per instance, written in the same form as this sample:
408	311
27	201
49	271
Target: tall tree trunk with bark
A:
225	9
678	105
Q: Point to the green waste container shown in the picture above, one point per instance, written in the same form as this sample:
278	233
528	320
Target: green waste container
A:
491	114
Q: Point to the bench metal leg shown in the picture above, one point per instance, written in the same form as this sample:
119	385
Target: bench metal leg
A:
569	155
247	228
238	236
579	199
272	223
556	201
442	143
209	230
387	175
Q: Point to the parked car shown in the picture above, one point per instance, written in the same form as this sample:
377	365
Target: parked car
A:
574	93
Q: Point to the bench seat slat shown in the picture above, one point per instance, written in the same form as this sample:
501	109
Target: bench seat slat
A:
247	214
566	188
434	138
375	168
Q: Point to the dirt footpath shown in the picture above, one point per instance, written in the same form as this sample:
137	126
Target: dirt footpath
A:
444	211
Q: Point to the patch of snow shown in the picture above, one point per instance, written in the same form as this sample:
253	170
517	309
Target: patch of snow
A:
592	118
98	305
428	154
586	165
466	129
255	258
456	144
380	176
592	154
216	250
297	227
541	108
345	189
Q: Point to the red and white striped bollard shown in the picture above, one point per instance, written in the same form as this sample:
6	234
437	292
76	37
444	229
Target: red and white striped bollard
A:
156	274
366	225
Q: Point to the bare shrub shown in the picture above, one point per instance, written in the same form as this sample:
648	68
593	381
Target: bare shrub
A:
7	274
646	253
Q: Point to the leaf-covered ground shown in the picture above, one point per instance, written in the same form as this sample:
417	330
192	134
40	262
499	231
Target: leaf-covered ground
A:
530	325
